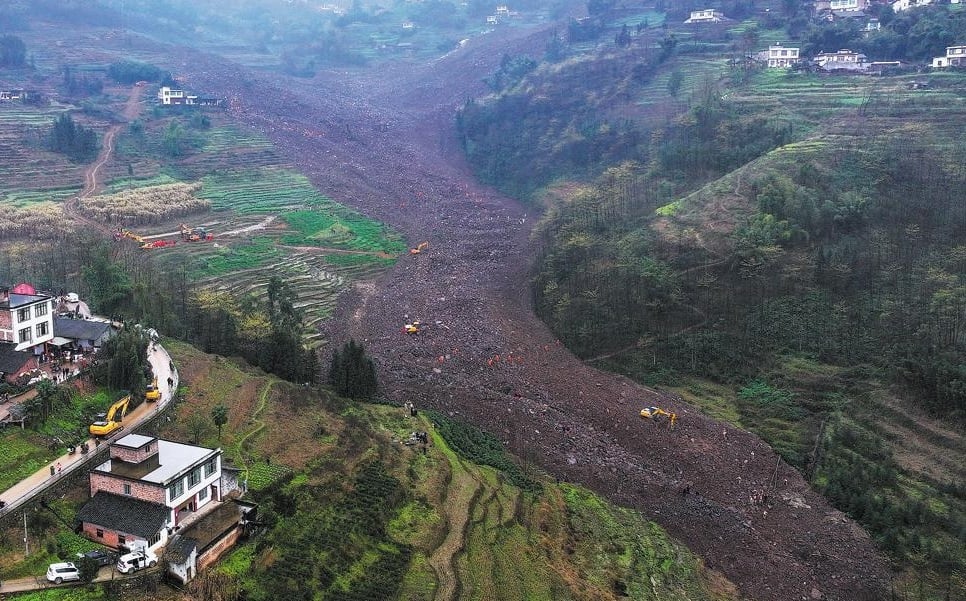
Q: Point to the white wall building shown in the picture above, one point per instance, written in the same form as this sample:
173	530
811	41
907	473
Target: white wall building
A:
26	320
781	57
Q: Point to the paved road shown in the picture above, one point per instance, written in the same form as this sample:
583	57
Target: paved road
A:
21	585
28	488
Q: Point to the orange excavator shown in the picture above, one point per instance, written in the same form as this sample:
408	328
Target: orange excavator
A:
419	248
653	412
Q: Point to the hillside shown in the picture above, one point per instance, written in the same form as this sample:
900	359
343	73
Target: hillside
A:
782	250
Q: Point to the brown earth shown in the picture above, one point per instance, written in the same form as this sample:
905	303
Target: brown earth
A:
382	140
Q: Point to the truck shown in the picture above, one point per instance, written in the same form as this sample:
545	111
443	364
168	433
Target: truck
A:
135	561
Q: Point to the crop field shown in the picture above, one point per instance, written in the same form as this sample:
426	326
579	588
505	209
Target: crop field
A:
26	166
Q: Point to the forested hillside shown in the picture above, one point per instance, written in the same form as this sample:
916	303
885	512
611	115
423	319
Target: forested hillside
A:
782	248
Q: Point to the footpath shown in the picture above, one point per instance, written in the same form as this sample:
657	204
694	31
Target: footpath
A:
61	467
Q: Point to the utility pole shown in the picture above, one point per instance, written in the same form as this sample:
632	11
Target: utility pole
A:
26	547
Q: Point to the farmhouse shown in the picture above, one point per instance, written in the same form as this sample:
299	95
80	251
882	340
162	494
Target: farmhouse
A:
26	318
14	363
171	97
901	5
708	15
847	5
82	334
843	60
955	57
780	57
148	489
199	545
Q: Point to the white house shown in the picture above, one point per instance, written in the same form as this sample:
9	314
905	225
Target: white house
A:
780	57
843	60
147	489
955	57
847	5
168	96
901	5
26	319
708	15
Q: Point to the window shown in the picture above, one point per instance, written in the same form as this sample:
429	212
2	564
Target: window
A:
99	533
176	490
127	489
25	335
211	466
40	309
194	477
41	329
23	314
121	539
203	494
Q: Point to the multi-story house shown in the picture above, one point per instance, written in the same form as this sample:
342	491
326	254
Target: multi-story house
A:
901	5
170	97
843	60
847	5
147	489
26	319
780	57
955	57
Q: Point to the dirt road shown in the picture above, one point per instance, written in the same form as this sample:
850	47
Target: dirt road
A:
383	142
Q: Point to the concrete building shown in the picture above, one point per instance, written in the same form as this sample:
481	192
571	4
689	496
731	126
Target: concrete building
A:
781	57
147	489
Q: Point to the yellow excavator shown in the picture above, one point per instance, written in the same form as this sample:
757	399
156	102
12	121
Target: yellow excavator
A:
152	393
653	412
107	423
420	248
412	328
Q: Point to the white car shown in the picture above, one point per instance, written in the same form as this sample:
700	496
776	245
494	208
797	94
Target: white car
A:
59	572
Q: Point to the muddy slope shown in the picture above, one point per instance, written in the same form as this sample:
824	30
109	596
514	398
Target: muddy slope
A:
382	141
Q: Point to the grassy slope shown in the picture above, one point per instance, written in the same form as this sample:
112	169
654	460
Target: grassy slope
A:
484	537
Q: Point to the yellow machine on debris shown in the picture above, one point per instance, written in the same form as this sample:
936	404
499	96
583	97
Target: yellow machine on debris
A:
653	412
152	393
422	246
412	328
108	424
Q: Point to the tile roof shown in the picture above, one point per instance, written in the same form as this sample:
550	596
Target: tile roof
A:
80	329
179	548
10	360
124	514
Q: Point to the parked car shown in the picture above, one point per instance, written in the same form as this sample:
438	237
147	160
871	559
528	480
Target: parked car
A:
59	572
101	556
138	560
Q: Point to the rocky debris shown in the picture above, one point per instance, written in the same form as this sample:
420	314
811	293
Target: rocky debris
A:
381	140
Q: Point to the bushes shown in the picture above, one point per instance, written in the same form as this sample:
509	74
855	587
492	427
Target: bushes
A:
77	142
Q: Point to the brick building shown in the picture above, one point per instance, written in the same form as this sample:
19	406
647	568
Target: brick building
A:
147	489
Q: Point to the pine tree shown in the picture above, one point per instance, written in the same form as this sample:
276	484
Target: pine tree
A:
352	373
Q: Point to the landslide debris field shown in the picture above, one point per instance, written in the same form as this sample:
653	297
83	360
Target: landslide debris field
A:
381	141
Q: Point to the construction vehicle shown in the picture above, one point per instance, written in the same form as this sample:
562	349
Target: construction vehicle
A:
158	244
420	248
152	393
106	423
197	234
653	412
412	328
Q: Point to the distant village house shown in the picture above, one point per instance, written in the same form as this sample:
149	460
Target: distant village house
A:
708	15
842	60
955	57
781	57
903	5
171	97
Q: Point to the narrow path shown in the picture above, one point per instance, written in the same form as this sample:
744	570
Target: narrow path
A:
132	109
461	496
